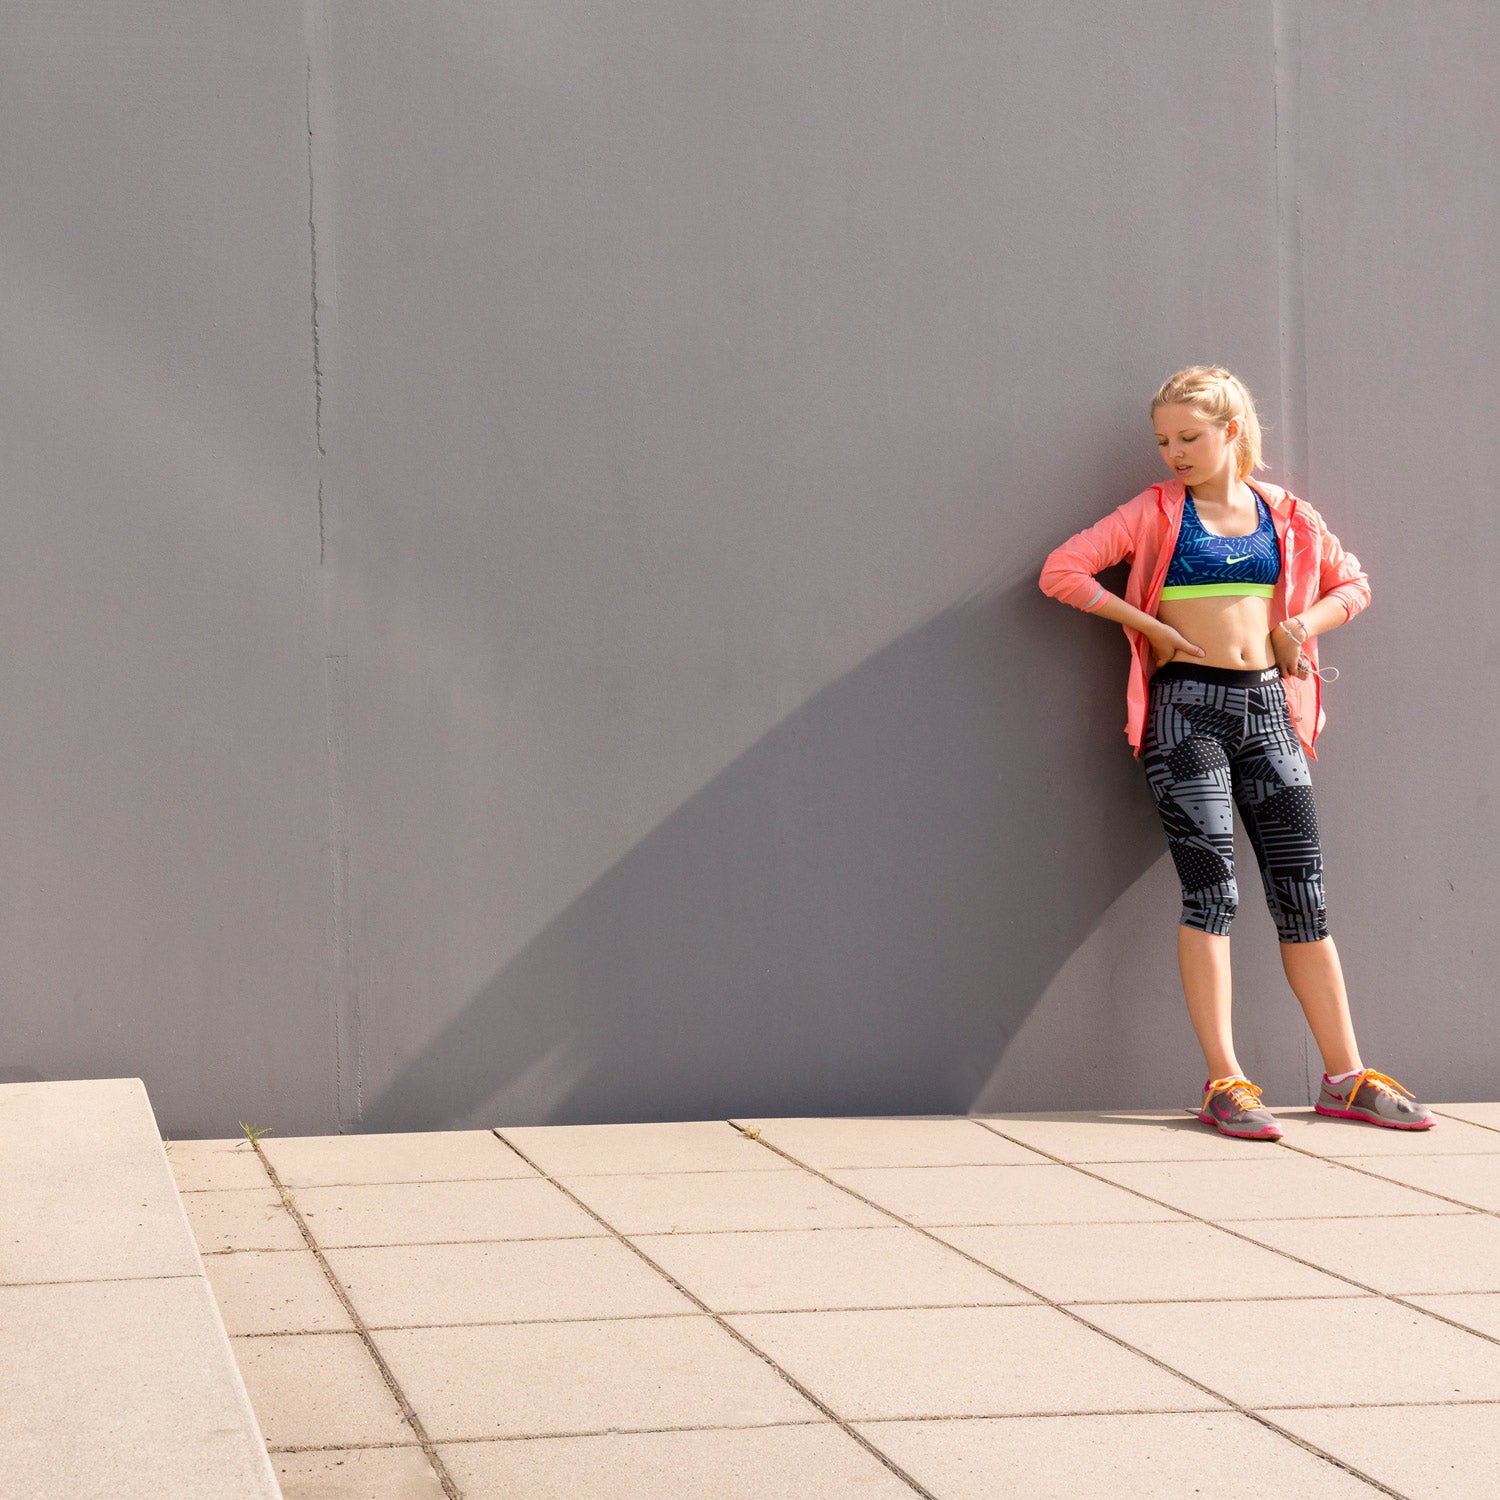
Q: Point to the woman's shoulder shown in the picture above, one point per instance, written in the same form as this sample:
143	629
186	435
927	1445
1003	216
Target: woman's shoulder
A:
1146	512
1275	495
1296	505
1149	500
1293	506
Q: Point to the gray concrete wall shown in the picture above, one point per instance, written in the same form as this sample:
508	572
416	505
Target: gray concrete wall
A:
523	521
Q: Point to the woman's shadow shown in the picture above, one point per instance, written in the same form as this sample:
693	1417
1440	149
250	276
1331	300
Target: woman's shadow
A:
855	917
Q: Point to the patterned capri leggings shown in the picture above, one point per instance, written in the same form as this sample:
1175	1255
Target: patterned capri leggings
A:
1216	736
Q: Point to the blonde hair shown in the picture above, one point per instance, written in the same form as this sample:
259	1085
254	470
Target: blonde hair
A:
1216	396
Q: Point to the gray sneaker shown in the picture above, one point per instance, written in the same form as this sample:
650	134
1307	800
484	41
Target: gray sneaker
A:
1374	1097
1233	1105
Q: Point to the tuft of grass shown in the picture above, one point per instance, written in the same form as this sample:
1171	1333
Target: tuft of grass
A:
253	1132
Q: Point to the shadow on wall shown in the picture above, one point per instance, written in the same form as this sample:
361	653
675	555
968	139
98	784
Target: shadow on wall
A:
855	917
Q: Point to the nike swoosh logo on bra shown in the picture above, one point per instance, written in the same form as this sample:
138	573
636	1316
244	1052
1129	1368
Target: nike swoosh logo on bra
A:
1236	559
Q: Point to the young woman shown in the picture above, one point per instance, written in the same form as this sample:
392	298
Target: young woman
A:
1230	586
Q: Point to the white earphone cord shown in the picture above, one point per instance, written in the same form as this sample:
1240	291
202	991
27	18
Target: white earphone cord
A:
1330	675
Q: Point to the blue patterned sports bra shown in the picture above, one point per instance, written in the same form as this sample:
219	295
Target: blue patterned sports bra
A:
1204	564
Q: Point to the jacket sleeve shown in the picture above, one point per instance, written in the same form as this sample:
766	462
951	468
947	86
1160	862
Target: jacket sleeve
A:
1068	573
1340	575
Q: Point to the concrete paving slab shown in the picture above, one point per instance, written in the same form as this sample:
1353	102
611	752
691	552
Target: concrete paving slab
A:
1171	1135
198	1166
1145	1454
1472	1179
1436	1452
402	1156
802	1269
1171	1262
1323	1136
1476	1114
885	1141
536	1379
664	1202
1445	1253
1271	1184
314	1390
50	1229
997	1195
1265	1354
961	1362
274	1291
813	1462
502	1281
427	1212
667	1146
358	1474
509	1397
1478	1310
229	1219
98	1402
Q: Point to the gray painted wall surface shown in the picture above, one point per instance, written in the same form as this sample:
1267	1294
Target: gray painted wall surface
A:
522	526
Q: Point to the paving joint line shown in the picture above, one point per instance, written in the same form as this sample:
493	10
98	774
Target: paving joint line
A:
503	1239
1003	1416
408	1412
838	1307
570	1432
317	1187
1478	1125
885	1459
1069	1312
1227	1226
1412	1187
102	1280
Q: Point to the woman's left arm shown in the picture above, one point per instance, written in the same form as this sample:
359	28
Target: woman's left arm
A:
1343	586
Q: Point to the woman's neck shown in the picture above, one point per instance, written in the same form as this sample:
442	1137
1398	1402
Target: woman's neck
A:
1223	489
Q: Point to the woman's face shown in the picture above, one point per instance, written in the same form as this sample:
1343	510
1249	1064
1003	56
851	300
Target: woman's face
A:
1195	449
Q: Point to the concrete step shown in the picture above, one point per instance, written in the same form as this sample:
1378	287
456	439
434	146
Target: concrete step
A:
116	1376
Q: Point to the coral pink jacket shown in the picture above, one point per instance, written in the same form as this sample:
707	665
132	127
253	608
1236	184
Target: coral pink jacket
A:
1144	529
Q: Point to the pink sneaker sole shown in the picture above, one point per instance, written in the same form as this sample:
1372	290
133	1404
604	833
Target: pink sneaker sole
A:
1270	1133
1352	1114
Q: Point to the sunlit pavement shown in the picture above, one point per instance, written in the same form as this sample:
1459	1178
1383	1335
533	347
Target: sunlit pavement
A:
1031	1305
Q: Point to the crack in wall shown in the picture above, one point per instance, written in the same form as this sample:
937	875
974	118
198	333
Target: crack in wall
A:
1286	36
336	986
317	347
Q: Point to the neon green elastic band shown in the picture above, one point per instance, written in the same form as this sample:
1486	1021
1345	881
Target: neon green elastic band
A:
1204	590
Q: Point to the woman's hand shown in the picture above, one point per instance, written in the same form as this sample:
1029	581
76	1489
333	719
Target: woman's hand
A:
1167	642
1286	647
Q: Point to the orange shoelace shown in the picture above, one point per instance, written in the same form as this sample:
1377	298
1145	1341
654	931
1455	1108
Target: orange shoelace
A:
1242	1093
1378	1081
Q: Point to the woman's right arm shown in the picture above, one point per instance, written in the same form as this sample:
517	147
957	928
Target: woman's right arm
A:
1068	574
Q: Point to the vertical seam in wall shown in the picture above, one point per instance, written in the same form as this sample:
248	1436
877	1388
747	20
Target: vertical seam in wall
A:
1286	37
337	970
1286	42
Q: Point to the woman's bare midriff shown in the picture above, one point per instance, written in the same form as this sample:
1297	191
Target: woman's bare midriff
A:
1233	629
